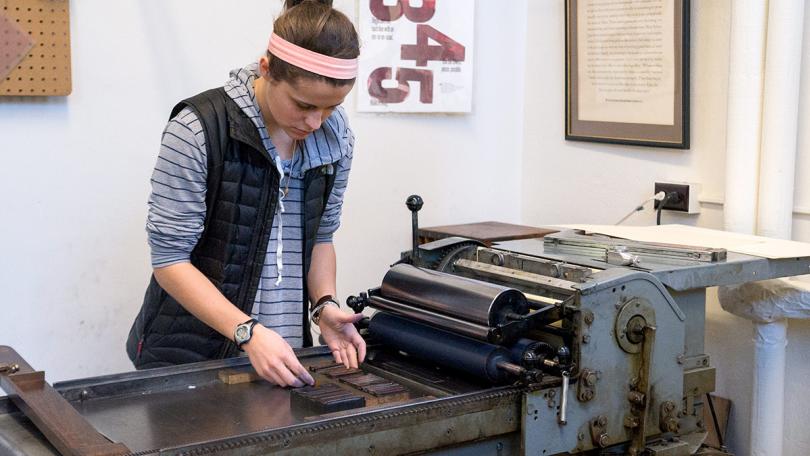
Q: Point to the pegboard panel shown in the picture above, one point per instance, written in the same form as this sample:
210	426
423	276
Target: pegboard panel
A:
45	68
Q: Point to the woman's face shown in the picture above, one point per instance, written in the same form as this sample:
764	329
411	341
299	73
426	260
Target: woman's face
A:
300	108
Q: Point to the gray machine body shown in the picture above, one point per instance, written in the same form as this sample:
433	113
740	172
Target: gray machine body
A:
604	307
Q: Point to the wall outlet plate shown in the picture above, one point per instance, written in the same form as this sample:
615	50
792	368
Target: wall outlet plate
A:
685	199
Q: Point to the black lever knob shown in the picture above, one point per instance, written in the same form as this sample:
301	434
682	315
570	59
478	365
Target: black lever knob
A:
414	203
564	355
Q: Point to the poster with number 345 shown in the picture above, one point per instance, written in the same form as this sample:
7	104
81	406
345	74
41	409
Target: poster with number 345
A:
415	56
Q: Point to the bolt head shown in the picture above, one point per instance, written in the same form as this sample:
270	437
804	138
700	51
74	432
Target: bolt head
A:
603	440
672	425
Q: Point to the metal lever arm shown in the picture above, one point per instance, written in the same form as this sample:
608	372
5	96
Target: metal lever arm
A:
640	397
561	415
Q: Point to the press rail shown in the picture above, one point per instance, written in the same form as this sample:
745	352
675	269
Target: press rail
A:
58	421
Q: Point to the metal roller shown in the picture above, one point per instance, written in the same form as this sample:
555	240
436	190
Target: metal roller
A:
441	347
442	321
472	300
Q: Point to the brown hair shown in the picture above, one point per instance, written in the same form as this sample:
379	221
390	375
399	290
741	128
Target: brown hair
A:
314	25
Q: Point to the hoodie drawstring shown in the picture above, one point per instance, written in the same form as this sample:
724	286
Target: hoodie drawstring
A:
279	237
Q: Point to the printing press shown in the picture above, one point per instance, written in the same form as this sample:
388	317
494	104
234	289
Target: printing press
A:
570	344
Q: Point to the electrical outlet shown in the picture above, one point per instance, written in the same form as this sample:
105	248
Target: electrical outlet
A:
685	197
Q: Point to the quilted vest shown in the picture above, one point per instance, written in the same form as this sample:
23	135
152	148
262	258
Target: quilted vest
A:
241	198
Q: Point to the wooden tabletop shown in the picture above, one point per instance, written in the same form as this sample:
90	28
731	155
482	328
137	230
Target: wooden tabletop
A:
486	232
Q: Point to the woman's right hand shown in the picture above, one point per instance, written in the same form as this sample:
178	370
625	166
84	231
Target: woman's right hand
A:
274	360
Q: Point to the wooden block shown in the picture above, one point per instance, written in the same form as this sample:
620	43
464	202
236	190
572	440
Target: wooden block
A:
361	380
375	390
322	365
328	398
340	371
233	377
722	407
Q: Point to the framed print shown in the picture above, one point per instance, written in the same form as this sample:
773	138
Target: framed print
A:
627	72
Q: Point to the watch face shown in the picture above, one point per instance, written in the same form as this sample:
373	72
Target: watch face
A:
241	333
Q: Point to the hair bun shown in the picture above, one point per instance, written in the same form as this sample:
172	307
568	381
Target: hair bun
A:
292	3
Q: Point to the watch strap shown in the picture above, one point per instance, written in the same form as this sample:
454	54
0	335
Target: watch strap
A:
320	305
323	299
250	325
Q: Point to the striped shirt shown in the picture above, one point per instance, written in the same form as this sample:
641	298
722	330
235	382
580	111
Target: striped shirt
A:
177	207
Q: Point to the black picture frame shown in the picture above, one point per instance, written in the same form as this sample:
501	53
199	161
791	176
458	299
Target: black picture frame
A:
675	135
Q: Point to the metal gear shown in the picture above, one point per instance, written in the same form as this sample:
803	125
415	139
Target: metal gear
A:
450	254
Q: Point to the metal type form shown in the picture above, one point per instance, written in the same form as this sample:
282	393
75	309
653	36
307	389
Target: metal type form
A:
478	302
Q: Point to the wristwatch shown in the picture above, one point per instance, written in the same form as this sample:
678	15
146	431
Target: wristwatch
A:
320	305
243	332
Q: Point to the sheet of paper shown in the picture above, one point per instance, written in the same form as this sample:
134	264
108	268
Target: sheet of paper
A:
703	237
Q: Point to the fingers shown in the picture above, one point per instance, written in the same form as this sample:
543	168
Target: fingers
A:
352	355
347	354
300	371
344	355
274	360
337	318
360	344
350	318
289	378
278	373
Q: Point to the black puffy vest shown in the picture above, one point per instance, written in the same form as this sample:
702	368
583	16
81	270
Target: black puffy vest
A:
242	192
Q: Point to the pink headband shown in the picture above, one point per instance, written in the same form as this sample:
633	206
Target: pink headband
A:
323	65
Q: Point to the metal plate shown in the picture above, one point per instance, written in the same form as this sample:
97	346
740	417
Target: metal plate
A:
685	275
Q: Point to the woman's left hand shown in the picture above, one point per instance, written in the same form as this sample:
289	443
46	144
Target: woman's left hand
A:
339	333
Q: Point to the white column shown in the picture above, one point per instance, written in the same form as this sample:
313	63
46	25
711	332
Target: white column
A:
743	126
760	166
744	115
767	403
780	113
780	117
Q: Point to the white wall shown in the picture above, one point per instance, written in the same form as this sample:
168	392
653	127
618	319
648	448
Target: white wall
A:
74	178
580	182
75	171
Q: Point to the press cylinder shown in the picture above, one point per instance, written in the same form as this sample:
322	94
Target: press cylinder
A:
454	325
472	300
441	347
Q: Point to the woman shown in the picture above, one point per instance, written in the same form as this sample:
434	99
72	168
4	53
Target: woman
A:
246	194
